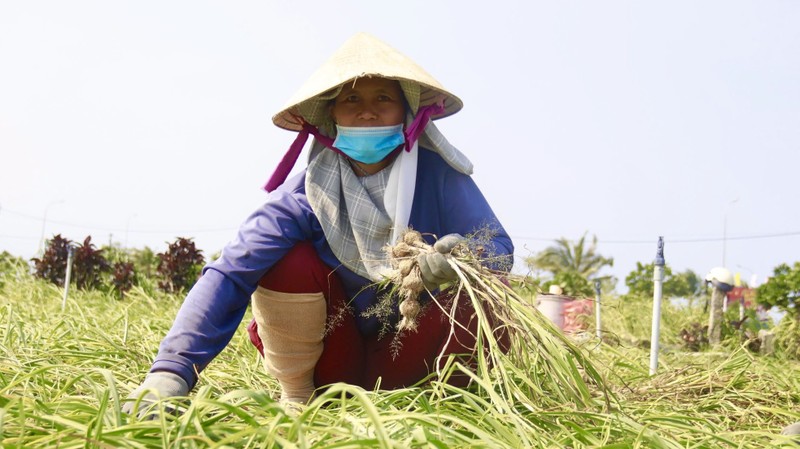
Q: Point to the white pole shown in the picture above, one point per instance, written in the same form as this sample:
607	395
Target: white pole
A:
597	309
70	253
741	308
658	278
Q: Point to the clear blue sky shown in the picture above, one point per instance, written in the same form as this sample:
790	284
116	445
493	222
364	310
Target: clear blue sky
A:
144	121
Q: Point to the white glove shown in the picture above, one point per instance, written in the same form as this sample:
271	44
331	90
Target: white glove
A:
792	429
157	385
434	267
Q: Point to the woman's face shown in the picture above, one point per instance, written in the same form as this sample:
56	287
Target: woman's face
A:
369	102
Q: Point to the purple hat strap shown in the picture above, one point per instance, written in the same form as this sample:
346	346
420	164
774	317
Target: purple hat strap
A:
412	133
290	158
417	127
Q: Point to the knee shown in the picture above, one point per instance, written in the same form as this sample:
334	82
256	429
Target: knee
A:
300	259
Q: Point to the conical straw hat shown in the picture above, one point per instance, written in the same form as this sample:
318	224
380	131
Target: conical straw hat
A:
362	55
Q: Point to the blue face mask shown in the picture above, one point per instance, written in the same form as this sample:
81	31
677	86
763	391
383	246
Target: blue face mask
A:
368	145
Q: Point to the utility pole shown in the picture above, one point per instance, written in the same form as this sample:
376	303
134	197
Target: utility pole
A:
725	230
44	224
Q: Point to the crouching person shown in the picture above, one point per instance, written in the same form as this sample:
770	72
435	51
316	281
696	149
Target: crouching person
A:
309	259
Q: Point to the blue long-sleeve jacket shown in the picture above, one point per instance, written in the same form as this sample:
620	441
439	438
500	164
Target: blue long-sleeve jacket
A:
445	202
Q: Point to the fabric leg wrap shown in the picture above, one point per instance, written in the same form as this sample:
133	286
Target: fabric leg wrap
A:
291	327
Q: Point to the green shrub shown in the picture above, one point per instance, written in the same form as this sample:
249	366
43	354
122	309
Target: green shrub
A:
782	290
11	267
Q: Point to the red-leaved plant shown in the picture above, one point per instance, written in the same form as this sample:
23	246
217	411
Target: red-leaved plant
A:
52	266
180	265
123	277
89	265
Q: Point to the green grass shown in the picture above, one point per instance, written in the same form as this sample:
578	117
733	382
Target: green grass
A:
63	374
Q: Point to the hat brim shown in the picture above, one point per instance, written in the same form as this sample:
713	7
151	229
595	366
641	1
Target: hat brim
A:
287	118
362	56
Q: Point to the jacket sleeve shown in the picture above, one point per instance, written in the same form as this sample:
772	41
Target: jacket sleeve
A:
466	211
215	306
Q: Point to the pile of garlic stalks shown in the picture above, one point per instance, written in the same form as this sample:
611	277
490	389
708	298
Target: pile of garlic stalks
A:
541	358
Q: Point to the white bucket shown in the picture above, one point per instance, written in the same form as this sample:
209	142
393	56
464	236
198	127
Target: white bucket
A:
552	306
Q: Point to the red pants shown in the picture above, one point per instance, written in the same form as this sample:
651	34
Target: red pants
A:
352	358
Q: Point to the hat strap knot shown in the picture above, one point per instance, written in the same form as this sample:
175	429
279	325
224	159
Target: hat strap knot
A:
417	127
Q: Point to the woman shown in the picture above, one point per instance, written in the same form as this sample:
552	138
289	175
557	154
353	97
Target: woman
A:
310	257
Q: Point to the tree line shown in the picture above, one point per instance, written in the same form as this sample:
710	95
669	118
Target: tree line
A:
111	268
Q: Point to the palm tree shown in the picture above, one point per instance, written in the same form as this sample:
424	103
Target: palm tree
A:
567	260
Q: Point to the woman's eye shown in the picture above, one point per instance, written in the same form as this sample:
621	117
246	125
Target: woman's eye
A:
351	99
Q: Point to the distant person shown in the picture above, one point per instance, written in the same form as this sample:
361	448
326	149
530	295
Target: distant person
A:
310	257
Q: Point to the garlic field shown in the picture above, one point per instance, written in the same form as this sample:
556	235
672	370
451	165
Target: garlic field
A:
64	373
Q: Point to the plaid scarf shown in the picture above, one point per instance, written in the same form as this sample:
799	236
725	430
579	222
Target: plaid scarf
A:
352	213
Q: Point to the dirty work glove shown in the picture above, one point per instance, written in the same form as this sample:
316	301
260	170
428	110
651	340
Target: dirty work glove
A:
434	266
157	385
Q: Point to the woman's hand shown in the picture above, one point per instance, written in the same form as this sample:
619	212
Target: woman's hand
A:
434	267
156	385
